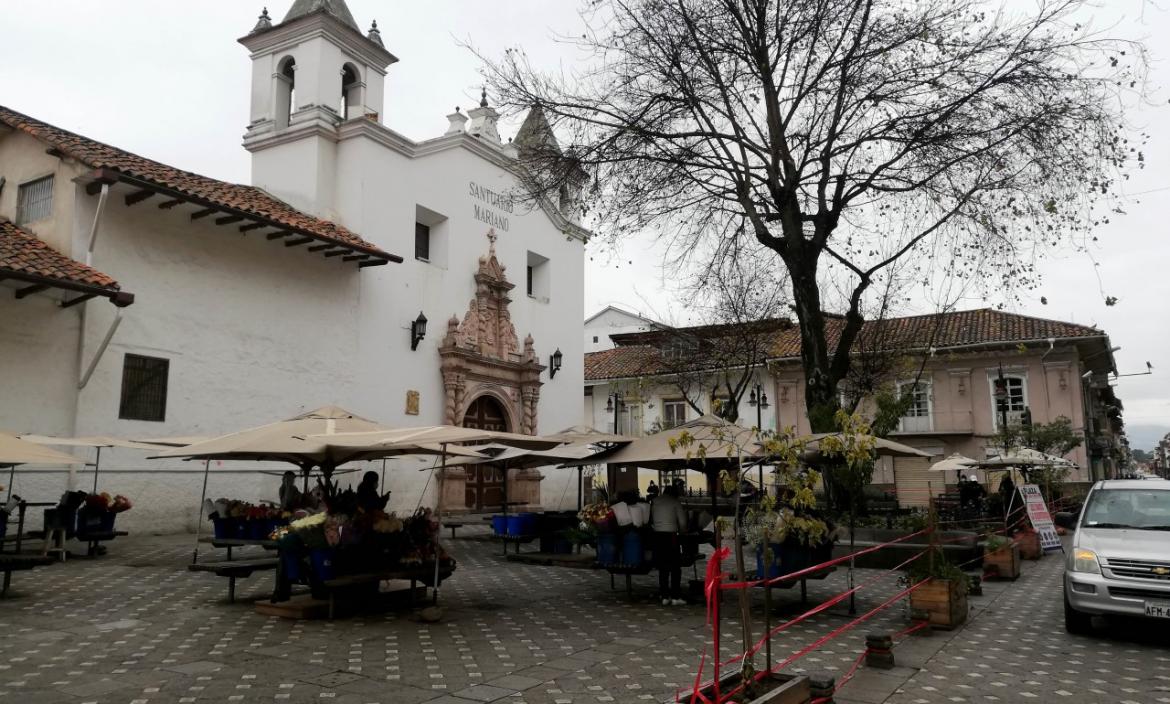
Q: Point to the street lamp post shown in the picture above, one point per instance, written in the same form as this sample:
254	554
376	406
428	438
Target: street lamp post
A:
759	399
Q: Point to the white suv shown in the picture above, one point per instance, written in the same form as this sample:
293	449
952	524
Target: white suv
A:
1120	558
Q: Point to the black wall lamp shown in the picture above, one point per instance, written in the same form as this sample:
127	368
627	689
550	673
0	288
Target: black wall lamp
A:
418	330
554	363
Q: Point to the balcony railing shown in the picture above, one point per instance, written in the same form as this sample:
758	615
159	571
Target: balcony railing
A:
937	423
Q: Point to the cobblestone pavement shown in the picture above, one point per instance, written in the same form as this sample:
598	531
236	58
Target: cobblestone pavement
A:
135	627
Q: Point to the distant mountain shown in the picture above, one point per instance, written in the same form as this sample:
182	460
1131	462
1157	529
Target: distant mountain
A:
1145	437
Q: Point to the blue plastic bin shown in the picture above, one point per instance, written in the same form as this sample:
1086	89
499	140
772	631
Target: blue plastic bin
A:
607	553
632	553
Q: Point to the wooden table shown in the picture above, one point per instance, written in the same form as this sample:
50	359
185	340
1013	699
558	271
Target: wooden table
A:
235	569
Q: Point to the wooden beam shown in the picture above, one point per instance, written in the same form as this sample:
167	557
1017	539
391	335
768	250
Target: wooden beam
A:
355	258
30	290
79	299
100	177
138	196
278	235
336	252
372	262
228	219
55	152
253	226
202	213
321	247
168	204
298	242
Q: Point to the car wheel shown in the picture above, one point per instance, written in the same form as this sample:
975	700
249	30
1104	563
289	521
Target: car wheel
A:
1077	622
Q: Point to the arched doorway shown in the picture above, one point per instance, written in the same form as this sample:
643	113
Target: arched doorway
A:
485	483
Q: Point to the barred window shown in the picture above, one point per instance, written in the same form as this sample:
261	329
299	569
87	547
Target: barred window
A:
34	200
144	388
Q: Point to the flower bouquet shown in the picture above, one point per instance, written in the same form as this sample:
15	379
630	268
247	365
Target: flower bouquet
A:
97	514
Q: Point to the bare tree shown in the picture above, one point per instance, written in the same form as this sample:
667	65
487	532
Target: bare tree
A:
845	136
744	306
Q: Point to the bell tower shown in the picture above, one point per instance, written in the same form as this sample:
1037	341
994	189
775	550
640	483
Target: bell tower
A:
311	72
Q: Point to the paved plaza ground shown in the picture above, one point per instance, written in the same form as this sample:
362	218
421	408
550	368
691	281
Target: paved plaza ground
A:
135	627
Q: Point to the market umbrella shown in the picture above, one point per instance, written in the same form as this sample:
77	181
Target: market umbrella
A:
717	443
578	434
519	458
955	463
179	441
584	434
14	451
1024	458
95	441
882	447
298	440
392	440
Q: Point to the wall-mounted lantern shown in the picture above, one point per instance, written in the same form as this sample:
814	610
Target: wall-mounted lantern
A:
554	363
418	330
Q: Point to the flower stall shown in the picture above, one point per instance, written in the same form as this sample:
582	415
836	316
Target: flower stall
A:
95	518
241	520
355	546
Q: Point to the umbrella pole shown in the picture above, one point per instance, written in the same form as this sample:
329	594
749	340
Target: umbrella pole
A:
11	479
97	464
439	512
199	519
382	484
580	484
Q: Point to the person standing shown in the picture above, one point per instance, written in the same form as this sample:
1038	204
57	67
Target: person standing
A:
290	495
668	518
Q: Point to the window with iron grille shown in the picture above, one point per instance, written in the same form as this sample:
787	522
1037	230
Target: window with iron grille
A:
144	388
34	200
422	241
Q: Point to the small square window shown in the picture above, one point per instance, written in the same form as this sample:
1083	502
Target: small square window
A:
537	277
529	288
34	200
422	242
595	338
144	388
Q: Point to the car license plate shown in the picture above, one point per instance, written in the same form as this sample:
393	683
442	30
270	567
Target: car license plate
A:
1158	609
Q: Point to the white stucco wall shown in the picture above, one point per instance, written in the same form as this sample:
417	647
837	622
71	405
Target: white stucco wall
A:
611	321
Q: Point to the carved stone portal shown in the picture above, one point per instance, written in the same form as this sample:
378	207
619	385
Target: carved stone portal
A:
480	355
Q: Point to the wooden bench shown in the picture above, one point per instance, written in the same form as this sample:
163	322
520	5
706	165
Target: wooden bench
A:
14	562
230	543
422	574
235	569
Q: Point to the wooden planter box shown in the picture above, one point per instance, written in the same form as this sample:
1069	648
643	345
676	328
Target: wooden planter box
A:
945	602
787	689
1029	544
1003	563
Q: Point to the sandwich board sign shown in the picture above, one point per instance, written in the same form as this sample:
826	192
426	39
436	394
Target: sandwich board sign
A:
1040	517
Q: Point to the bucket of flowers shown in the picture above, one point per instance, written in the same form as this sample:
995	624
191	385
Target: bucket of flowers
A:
97	513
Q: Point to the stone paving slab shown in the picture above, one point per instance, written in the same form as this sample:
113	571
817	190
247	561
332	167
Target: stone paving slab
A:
136	627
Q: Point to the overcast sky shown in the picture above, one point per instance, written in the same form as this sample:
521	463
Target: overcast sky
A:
169	81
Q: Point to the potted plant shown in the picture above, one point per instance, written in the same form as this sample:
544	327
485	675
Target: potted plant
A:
943	597
1001	558
1028	541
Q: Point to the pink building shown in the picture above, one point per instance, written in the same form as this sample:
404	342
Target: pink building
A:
949	361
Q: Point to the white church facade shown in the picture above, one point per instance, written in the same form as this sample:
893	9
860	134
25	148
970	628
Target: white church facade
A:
410	282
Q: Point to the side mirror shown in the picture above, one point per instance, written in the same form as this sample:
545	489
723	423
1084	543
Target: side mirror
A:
1065	519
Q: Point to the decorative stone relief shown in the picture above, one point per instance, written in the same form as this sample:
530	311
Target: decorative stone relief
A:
480	354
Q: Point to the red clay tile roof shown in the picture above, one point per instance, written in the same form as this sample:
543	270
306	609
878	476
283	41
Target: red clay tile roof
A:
24	256
247	199
941	331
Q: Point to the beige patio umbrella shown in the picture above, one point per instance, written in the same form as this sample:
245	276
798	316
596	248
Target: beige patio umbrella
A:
578	434
584	434
1024	458
393	439
98	442
882	447
955	463
179	441
507	458
14	451
299	440
719	439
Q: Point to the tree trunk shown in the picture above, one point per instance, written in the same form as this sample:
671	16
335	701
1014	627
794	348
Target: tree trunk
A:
820	385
